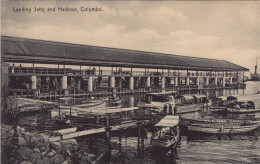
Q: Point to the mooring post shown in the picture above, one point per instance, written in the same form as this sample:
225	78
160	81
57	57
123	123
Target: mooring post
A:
138	144
170	109
165	109
142	137
70	114
97	119
108	130
175	110
59	111
120	140
139	128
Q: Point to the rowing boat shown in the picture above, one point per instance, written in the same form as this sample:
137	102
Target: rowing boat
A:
223	129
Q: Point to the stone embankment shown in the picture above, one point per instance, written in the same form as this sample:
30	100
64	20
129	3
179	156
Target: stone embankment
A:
21	146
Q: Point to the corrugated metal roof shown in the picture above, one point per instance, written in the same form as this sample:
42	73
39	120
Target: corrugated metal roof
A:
49	51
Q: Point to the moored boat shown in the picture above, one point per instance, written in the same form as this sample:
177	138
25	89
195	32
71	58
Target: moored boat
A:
96	104
160	99
202	100
187	103
220	121
167	133
245	104
212	128
114	101
222	102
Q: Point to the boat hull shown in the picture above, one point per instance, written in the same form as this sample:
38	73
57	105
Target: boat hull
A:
188	109
242	110
222	129
166	144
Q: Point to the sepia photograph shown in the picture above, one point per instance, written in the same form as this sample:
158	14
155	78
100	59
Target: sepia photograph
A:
154	82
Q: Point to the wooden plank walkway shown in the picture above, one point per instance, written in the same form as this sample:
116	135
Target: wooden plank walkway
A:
68	133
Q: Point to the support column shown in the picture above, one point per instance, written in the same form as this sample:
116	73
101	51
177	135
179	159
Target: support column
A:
131	101
34	82
64	82
216	81
79	84
224	79
197	81
187	81
163	82
90	83
112	81
100	81
148	81
237	77
65	85
243	79
131	83
231	81
176	81
120	82
207	80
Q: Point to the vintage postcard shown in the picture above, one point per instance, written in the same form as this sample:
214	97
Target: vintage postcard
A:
130	82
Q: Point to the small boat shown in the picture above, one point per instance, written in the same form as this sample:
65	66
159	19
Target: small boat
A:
96	103
187	103
212	128
62	121
202	100
65	100
114	101
160	99
220	121
167	133
245	104
222	102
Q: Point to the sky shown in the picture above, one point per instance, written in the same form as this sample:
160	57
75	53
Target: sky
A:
226	30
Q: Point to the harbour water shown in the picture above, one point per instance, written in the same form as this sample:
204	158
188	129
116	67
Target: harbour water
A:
192	148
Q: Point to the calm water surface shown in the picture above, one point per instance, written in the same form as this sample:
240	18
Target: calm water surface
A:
192	148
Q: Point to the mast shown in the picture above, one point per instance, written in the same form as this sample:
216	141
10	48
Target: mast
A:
256	67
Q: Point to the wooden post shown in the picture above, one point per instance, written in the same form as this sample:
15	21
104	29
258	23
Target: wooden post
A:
139	128
243	79
175	110
59	111
138	144
97	119
120	140
70	114
160	132
108	130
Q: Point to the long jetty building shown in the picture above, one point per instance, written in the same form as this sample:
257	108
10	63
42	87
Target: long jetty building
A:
40	68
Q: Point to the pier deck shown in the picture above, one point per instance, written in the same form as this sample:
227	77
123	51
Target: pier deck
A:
68	133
